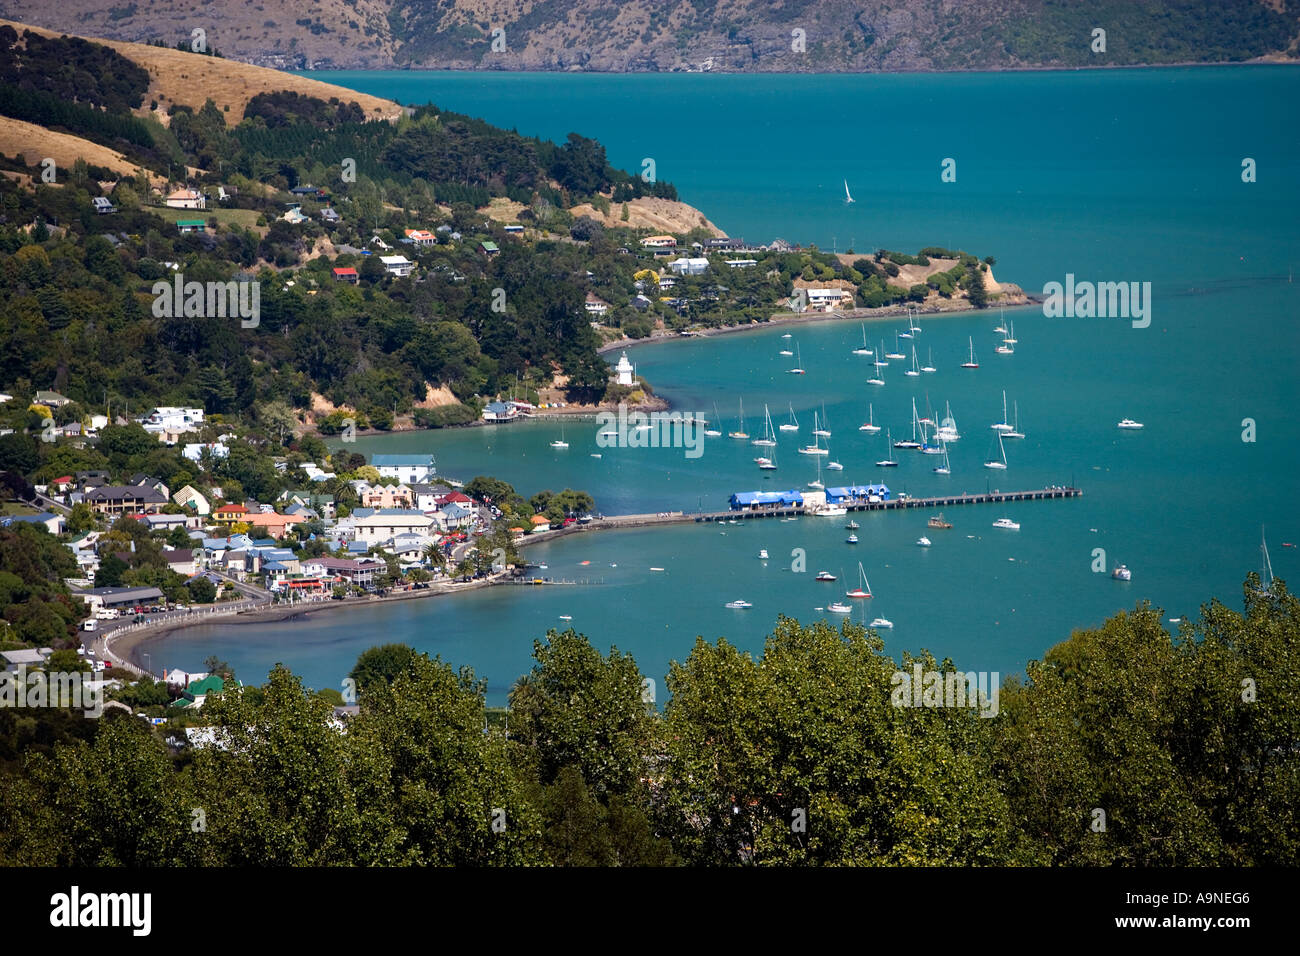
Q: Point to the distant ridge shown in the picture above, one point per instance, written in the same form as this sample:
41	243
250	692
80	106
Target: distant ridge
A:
719	35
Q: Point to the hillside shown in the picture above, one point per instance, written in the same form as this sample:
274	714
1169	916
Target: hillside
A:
180	78
726	35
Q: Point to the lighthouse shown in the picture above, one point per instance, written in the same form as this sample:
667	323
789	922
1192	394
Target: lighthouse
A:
624	370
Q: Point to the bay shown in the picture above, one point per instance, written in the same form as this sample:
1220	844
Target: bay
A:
1126	175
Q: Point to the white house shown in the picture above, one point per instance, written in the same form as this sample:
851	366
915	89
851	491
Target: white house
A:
828	298
397	265
172	418
391	522
690	266
408	469
186	198
659	242
190	497
595	305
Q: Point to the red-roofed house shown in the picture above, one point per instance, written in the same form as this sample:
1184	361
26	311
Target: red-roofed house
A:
346	274
187	199
421	237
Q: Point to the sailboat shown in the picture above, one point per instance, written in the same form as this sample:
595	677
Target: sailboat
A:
972	363
833	465
863	590
848	196
999	463
786	352
1266	566
877	379
911	319
713	432
864	350
792	425
815	448
913	372
1002	320
798	368
870	425
560	442
1015	429
817	485
740	430
881	355
823	431
912	442
896	354
945	468
888	462
929	362
1011	335
767	464
769	439
1004	425
948	427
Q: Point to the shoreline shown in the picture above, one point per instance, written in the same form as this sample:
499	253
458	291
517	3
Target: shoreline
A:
1022	299
125	647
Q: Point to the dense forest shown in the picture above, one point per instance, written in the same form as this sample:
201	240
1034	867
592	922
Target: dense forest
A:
1123	746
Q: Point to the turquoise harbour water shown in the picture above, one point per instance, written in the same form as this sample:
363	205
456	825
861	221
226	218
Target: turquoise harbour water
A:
1127	175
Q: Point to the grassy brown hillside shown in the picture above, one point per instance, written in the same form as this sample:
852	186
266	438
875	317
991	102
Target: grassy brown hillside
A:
186	79
659	35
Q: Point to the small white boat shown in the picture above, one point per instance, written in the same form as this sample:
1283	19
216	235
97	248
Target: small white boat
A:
769	436
798	365
596	454
864	350
762	554
712	433
656	569
738	605
1007	523
1130	424
566	617
851	539
840	608
1004	425
792	425
881	622
999	464
786	352
870	426
971	363
766	465
914	371
1011	336
923	541
896	354
1122	573
786	336
834	466
559	444
929	362
1015	431
824	576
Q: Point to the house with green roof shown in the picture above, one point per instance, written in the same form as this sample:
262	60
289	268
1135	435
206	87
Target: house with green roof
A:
186	226
197	692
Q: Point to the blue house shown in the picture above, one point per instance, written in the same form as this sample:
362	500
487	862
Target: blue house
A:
762	500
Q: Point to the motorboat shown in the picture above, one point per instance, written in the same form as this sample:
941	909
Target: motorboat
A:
1122	573
738	605
1007	523
923	541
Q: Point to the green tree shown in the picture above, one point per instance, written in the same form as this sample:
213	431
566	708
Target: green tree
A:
578	707
381	665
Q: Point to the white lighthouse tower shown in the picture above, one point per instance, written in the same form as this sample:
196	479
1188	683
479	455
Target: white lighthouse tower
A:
624	370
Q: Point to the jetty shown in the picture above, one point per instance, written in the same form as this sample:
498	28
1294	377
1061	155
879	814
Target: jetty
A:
895	504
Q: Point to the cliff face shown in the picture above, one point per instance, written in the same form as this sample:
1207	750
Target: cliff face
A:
794	36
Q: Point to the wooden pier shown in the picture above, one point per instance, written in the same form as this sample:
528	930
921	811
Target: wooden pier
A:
894	504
